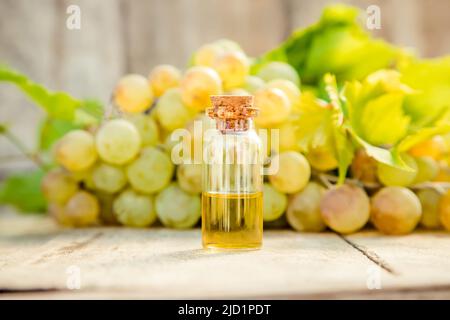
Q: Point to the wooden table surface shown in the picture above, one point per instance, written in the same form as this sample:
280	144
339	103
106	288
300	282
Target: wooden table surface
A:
40	260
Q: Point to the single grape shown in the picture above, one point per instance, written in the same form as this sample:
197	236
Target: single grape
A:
364	167
429	199
232	68
151	171
146	126
293	172
164	77
435	148
197	85
279	70
134	210
75	151
274	107
118	141
107	215
391	176
444	210
176	208
274	203
345	208
58	186
253	84
207	54
171	112
133	94
427	169
395	210
189	177
322	159
303	212
82	209
108	178
289	88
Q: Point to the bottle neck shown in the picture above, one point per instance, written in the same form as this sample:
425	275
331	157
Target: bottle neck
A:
234	125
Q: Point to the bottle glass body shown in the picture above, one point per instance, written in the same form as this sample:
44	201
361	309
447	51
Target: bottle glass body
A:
232	187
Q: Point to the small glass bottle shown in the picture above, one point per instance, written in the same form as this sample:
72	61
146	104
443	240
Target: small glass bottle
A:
232	215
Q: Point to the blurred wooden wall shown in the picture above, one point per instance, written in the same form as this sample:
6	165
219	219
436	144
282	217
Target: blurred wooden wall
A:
119	36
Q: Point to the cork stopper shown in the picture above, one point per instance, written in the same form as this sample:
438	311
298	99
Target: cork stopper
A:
229	107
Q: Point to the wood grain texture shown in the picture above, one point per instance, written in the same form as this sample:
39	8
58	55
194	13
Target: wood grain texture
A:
160	263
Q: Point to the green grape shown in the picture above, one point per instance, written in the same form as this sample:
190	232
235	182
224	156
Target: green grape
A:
395	210
164	77
279	70
118	141
322	159
427	169
274	107
293	172
197	85
133	94
364	167
176	208
170	111
151	171
207	54
108	178
134	210
289	88
58	186
303	212
253	84
82	209
391	176
84	178
189	177
107	215
75	151
444	210
146	126
232	67
429	199
345	208
274	203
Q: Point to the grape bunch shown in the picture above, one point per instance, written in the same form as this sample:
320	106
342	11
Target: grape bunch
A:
122	172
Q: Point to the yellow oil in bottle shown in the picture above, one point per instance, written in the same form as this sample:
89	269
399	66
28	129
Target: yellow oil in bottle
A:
232	221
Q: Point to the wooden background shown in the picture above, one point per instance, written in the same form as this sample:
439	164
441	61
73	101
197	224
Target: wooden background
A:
119	36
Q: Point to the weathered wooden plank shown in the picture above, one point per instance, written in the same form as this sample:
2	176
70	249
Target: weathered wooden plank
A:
421	259
161	263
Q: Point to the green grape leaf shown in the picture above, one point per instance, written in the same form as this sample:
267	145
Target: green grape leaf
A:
383	121
314	123
389	157
58	105
337	43
421	135
23	191
431	81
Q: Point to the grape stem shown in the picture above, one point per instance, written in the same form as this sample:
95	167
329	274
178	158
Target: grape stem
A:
34	157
